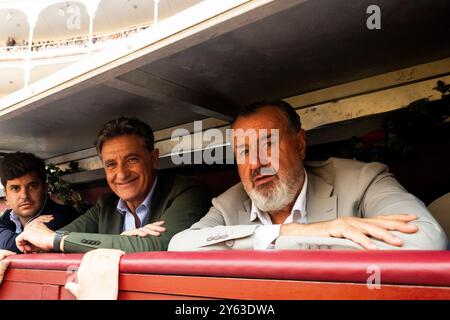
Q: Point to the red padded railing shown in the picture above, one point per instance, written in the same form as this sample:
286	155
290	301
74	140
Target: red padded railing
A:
396	267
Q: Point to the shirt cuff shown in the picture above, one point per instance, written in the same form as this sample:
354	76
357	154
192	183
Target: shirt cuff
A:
265	235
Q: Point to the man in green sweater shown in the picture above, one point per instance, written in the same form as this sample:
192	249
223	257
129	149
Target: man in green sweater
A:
145	210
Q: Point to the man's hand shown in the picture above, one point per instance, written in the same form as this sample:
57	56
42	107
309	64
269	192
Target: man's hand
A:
98	276
4	264
36	237
41	219
151	229
356	229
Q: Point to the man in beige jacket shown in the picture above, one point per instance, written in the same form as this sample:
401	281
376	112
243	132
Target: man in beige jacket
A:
284	203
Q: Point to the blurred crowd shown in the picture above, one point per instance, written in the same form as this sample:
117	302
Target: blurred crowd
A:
75	42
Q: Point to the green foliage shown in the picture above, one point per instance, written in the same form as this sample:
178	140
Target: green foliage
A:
405	131
58	186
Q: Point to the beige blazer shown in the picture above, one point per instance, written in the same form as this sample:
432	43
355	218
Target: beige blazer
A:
336	188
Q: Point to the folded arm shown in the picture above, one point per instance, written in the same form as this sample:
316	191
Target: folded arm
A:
211	233
186	208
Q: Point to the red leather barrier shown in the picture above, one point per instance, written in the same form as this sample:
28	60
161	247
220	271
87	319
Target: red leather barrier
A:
396	267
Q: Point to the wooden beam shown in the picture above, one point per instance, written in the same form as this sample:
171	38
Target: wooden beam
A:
143	84
368	104
392	79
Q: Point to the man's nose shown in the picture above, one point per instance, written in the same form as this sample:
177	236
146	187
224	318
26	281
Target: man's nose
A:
260	160
122	171
24	193
255	162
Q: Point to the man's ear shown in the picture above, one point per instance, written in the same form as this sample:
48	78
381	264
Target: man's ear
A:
155	158
301	139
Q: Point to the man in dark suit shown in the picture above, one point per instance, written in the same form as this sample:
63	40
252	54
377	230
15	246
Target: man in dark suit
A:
24	178
164	205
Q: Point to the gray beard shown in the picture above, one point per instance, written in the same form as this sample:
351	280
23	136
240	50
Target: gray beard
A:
281	194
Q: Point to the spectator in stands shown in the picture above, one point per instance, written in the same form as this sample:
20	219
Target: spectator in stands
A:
24	178
68	43
338	203
9	43
141	197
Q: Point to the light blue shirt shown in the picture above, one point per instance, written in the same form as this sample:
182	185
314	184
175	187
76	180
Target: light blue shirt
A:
142	210
15	218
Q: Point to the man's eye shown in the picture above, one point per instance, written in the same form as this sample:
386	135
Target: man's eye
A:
110	165
14	188
34	186
133	160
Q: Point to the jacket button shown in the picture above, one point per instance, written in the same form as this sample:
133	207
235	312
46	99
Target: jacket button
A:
83	240
97	242
210	238
229	243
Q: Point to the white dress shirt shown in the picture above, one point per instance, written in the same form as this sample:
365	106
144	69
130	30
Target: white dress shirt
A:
266	233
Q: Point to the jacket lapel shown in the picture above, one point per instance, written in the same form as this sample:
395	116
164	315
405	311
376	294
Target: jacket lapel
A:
321	205
159	199
116	223
245	214
6	220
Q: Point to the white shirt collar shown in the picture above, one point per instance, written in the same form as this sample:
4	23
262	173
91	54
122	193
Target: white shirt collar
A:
123	208
298	212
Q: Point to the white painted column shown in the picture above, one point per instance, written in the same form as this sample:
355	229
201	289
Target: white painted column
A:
155	11
32	18
91	23
91	7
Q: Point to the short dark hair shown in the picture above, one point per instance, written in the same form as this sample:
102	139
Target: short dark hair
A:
18	164
288	111
123	126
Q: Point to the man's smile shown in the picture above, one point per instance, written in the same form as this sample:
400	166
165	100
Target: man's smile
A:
126	183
